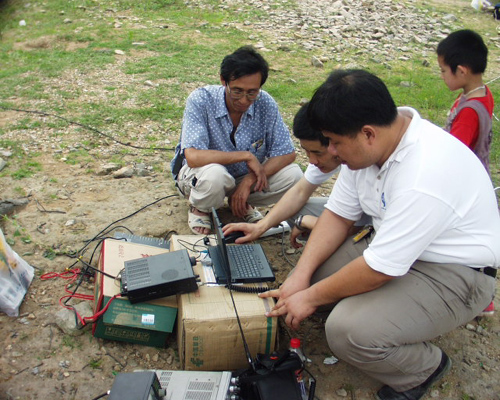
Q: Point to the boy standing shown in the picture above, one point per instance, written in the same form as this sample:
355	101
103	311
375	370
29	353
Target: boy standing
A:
462	58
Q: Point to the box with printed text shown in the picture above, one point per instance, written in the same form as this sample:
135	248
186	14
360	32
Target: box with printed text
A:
148	323
208	335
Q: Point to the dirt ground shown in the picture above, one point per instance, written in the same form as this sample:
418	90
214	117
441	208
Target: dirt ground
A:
69	206
40	361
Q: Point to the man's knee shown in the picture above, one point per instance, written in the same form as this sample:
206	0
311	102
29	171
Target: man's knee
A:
347	334
213	178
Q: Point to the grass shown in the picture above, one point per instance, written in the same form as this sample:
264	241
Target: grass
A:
58	63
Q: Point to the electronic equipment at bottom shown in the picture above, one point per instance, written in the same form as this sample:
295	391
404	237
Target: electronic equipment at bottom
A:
158	276
186	385
143	385
273	379
243	263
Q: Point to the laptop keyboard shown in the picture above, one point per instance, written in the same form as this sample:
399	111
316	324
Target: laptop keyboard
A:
245	264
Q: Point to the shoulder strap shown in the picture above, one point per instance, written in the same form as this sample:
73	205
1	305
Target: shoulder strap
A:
482	147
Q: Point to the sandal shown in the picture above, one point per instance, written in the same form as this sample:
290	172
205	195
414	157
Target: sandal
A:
253	215
198	221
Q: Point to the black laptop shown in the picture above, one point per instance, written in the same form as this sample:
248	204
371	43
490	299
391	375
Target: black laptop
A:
242	263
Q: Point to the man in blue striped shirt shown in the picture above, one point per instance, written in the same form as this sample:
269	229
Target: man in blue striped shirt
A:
234	143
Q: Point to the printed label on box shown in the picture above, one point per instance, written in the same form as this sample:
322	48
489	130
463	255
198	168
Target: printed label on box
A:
148	319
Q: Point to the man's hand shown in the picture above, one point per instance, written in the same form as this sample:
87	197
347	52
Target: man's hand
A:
259	173
296	232
238	200
294	288
296	307
251	231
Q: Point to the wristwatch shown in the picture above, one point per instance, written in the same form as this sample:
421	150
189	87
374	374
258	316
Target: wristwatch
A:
298	222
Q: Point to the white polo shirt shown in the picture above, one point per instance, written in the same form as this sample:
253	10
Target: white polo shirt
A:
315	177
432	200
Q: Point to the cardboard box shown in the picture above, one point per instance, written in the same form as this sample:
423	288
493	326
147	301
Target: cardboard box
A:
208	334
148	323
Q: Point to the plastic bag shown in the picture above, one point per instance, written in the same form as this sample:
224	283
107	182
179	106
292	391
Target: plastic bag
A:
15	278
480	4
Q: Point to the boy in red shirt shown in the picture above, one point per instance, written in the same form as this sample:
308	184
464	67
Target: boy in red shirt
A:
462	58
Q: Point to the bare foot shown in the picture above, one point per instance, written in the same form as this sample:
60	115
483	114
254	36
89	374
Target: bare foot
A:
202	225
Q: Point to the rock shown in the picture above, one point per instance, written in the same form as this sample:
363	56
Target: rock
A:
316	62
10	205
341	392
65	319
107	169
125	172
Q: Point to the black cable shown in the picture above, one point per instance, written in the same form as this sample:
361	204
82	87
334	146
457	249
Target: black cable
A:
312	385
245	344
86	127
246	289
102	395
128	216
84	248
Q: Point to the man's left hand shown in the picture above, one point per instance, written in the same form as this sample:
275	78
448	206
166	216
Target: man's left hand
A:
296	308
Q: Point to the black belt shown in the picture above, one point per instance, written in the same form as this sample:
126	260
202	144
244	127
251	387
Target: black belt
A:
487	271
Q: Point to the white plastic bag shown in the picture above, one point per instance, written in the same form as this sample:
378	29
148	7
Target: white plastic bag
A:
480	4
15	278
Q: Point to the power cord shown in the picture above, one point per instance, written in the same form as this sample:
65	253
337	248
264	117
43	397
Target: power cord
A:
85	272
84	126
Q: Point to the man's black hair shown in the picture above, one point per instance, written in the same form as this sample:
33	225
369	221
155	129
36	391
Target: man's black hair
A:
350	99
465	48
303	130
244	61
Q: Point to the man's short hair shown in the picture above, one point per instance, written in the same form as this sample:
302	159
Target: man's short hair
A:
465	48
350	99
303	130
244	61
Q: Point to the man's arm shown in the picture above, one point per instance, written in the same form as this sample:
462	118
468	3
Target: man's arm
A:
292	201
199	158
238	201
328	234
354	278
297	299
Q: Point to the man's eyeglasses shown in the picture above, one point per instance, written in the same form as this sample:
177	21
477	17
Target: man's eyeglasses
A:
237	94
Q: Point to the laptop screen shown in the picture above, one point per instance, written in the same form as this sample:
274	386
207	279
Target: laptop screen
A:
221	244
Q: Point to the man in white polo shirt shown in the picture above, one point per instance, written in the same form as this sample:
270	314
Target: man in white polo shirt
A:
428	267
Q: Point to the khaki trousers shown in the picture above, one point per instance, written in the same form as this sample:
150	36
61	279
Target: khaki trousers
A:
386	332
208	186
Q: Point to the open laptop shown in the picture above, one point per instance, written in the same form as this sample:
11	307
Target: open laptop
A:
241	263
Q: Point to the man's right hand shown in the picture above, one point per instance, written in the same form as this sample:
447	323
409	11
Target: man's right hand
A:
251	231
293	284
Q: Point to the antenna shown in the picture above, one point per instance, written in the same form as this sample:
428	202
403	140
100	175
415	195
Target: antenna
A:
229	279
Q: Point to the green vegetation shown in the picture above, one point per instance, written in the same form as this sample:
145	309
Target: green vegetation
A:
88	61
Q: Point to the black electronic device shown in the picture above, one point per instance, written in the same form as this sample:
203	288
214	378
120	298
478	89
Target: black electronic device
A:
240	263
272	377
142	385
158	276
